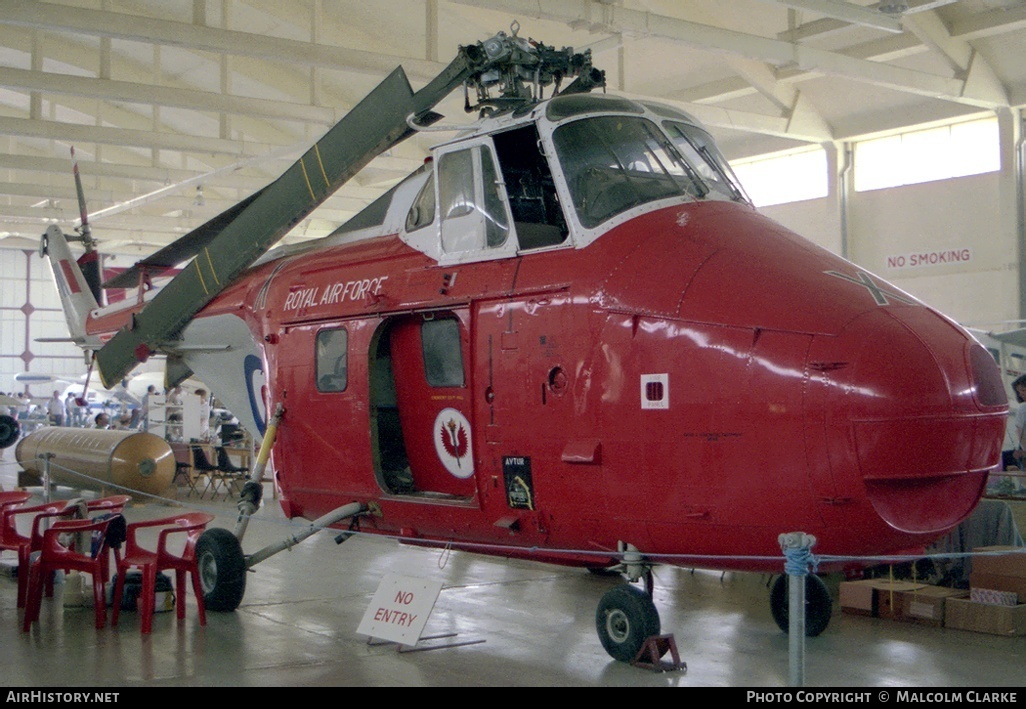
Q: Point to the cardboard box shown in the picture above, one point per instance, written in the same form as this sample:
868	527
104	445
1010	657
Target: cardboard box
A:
925	606
964	614
858	597
1013	564
878	598
996	598
999	582
890	595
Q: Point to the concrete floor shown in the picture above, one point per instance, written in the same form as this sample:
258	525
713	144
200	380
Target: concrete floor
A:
528	625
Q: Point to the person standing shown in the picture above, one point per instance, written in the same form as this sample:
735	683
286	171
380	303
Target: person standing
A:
71	410
55	410
150	390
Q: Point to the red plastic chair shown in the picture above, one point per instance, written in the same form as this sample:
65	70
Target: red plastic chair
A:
10	500
152	562
56	556
113	503
13	498
24	545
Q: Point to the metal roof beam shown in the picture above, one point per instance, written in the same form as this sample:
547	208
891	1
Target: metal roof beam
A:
100	23
773	51
111	90
846	12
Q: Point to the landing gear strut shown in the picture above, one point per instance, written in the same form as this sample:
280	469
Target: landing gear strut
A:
626	617
223	566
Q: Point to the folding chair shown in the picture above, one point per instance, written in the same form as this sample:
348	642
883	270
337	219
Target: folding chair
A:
230	473
183	467
202	465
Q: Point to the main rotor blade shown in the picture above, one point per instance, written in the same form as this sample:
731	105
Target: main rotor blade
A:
373	126
370	128
181	249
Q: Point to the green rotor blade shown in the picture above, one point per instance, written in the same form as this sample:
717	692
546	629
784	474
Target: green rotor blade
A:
370	128
227	246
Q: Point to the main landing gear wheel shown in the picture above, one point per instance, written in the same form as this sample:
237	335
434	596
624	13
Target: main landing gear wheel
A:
222	569
818	605
625	619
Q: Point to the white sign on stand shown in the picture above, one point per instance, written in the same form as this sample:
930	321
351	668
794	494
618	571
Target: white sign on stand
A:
400	609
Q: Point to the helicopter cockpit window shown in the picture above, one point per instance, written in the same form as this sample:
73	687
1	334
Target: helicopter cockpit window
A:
614	163
422	212
698	148
332	363
471	205
537	215
443	358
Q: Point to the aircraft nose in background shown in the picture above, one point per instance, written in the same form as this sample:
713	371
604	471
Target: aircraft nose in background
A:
921	410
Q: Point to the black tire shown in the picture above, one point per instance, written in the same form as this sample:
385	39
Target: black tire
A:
625	619
9	431
222	569
818	605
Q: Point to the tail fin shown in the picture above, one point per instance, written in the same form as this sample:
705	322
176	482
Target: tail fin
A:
76	297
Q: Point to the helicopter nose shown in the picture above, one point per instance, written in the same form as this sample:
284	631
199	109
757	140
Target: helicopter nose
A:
925	408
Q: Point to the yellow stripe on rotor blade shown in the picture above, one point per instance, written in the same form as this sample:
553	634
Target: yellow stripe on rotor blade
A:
306	177
199	273
213	272
317	152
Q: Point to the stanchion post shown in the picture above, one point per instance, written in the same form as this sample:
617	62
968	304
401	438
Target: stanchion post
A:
796	547
46	458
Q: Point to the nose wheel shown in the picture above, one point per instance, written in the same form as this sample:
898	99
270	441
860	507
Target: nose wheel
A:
625	619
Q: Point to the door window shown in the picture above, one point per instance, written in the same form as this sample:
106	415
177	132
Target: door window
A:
332	362
443	359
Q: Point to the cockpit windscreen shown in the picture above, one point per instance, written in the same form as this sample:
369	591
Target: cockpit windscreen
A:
614	163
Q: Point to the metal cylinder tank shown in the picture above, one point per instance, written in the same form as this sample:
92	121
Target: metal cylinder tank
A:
89	458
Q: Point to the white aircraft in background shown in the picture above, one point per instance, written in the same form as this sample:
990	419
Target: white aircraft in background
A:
130	391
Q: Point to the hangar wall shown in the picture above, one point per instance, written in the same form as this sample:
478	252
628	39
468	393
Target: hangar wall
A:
944	243
955	244
30	309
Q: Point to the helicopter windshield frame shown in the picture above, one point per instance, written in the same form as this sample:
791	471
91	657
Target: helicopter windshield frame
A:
613	163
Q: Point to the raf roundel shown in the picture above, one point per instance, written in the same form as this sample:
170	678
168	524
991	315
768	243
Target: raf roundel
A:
452	442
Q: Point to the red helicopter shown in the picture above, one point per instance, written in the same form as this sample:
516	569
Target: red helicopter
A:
568	337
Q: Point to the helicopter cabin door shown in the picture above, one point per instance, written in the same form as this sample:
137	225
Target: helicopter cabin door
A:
428	355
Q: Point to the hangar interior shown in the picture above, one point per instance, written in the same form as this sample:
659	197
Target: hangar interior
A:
178	110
